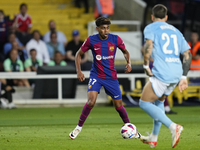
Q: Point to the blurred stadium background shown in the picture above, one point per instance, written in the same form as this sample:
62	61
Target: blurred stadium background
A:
129	19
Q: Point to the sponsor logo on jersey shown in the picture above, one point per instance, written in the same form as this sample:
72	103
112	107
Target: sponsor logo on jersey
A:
170	59
111	48
99	57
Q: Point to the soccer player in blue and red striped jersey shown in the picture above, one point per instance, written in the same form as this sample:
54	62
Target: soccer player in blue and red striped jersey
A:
103	46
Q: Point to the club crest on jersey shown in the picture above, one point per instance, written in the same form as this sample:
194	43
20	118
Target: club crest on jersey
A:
111	48
90	86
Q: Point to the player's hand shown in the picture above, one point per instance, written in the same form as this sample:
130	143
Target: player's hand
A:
182	85
128	68
148	72
80	76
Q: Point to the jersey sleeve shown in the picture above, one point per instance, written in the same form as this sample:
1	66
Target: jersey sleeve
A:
51	63
17	21
27	63
120	43
29	22
63	63
40	62
69	47
6	65
86	45
21	67
184	45
148	34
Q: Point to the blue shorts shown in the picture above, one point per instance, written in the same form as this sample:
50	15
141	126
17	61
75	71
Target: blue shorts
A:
111	86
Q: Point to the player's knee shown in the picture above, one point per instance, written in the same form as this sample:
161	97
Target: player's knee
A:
91	102
117	103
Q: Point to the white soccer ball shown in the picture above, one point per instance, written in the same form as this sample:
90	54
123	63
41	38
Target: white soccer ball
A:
129	131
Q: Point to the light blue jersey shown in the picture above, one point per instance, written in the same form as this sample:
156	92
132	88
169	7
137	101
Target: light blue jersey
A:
168	44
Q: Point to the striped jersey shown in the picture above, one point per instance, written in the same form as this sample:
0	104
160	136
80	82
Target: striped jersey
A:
103	55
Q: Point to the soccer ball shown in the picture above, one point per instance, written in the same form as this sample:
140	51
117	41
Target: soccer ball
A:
129	131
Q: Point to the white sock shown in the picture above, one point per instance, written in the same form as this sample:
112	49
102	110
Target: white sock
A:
153	137
78	127
172	127
167	108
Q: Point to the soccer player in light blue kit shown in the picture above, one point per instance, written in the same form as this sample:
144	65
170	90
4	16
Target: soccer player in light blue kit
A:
164	43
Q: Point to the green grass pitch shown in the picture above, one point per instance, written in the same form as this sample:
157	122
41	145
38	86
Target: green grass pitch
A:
48	129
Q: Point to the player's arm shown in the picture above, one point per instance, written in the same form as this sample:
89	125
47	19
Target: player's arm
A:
69	55
85	58
128	60
147	54
78	55
187	57
28	69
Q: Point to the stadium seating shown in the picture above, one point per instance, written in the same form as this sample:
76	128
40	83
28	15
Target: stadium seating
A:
137	92
193	90
66	16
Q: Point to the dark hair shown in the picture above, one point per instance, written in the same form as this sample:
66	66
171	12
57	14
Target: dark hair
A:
10	33
102	20
22	5
1	11
32	50
159	11
53	33
34	31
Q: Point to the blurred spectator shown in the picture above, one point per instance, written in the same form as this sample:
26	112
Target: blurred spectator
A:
71	49
58	60
3	34
39	46
6	95
54	46
31	64
14	43
22	53
23	24
13	64
78	4
60	35
195	51
104	8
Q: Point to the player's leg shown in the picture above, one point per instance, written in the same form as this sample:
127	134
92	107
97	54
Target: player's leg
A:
121	110
112	89
92	95
149	95
94	87
153	137
157	124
